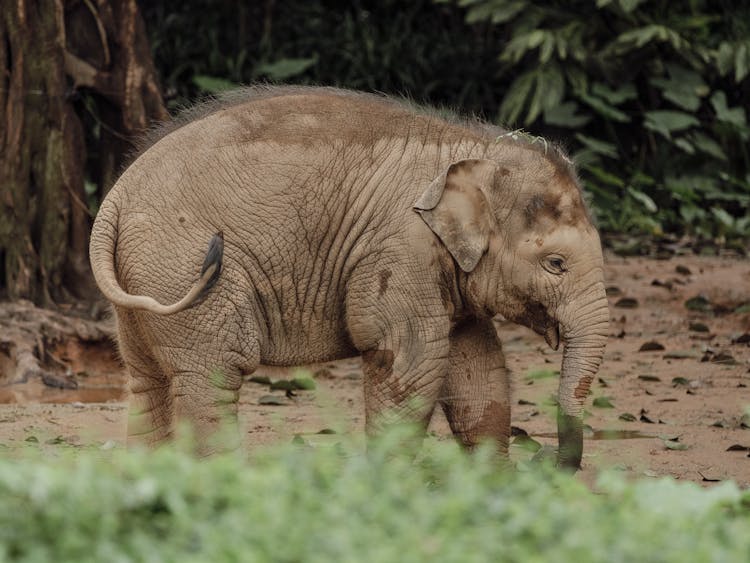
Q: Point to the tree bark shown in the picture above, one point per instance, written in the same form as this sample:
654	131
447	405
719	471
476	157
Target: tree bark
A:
72	71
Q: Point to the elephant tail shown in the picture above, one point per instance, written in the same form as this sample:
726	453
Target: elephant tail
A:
102	256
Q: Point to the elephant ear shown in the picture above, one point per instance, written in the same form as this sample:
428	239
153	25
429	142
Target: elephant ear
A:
455	207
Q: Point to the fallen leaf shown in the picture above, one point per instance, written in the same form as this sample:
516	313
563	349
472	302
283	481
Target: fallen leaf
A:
648	378
603	402
56	440
724	358
613	291
681	355
627	303
682	270
698	303
708	479
303	383
626	416
541	374
260	379
659	283
525	402
651	346
678	381
283	385
675	445
698	327
738	448
275	400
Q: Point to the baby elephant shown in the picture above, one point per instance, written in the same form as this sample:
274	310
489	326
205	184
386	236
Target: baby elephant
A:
342	224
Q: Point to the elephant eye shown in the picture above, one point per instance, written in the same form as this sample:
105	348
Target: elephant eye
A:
554	264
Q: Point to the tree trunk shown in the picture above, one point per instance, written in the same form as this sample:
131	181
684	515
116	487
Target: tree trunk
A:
72	71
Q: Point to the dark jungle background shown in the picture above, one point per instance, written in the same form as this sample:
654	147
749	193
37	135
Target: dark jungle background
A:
650	96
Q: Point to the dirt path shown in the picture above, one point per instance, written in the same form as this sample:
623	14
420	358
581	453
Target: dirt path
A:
693	391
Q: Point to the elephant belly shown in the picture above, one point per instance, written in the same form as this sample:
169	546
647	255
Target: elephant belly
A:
307	343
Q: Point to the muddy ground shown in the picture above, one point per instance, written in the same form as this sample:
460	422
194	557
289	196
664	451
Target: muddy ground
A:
675	409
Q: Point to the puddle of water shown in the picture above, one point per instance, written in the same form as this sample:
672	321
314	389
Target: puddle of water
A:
605	435
36	393
85	395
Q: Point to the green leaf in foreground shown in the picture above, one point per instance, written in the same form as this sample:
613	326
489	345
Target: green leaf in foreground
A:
313	504
527	443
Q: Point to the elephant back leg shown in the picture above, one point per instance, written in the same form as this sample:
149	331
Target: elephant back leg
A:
476	392
150	402
204	354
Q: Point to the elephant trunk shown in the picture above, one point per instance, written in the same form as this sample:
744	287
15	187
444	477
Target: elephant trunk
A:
585	336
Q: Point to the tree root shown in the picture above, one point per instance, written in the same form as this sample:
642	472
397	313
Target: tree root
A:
28	336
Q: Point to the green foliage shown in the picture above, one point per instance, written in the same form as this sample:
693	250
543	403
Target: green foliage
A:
305	503
650	95
653	93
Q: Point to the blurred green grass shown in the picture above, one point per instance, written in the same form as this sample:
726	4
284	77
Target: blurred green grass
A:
304	503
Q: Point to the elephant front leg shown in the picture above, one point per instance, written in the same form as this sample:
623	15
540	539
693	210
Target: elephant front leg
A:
402	381
476	393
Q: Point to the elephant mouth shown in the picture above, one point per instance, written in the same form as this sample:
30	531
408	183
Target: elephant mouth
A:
537	318
552	336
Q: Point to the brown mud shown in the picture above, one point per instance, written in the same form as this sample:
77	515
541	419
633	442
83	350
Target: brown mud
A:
670	398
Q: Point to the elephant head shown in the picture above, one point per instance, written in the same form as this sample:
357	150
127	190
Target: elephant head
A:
527	249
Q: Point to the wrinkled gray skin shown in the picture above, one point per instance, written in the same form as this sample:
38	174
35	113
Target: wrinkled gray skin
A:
352	225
